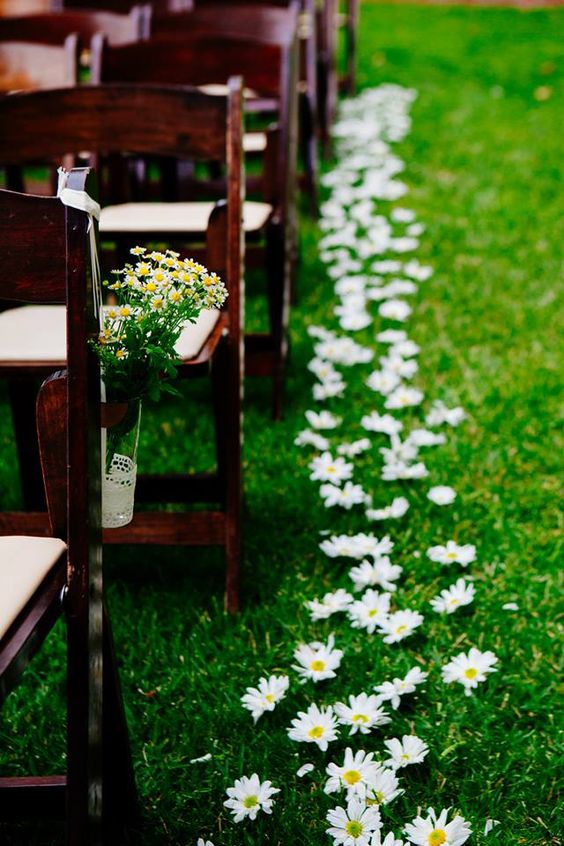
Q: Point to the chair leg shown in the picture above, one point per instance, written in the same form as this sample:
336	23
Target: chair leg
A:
309	153
278	263
23	396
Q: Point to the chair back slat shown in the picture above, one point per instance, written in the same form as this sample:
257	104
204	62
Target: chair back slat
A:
269	24
53	27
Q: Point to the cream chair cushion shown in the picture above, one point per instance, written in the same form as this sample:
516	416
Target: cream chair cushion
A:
38	333
254	142
174	217
33	333
24	563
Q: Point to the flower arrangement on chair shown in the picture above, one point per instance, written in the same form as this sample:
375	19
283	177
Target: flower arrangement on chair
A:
154	299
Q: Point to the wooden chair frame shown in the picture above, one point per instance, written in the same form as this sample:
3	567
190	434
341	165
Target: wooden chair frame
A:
112	118
35	63
44	248
54	27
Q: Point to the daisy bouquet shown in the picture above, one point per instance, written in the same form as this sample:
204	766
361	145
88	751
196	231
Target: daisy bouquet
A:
153	300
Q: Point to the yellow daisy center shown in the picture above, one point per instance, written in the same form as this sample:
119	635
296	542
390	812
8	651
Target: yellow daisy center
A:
316	732
471	673
151	286
359	718
437	837
354	828
352	776
376	799
401	629
404	757
372	612
451	555
250	801
317	665
269	697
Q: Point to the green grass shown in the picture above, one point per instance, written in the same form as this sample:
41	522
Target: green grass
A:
484	170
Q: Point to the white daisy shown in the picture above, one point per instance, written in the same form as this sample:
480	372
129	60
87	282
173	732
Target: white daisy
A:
401	367
322	419
370	611
325	468
356	546
326	390
346	497
384	787
383	382
316	725
442	495
458	594
353	826
331	603
409	750
387	266
324	370
355	774
202	842
404	397
425	438
317	661
469	669
435	831
362	713
402	470
395	310
389	840
439	414
354	448
266	696
382	573
394	511
248	796
417	271
392	336
405	348
392	691
400	215
453	553
399	625
384	423
308	438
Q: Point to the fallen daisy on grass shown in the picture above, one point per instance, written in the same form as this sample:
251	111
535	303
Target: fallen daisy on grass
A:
202	759
399	625
363	713
353	826
325	468
489	826
403	397
394	511
316	725
439	414
317	661
332	603
389	840
409	750
248	796
510	606
308	438
347	496
322	419
354	448
266	696
392	691
382	573
425	438
469	669
435	831
383	423
442	495
395	310
384	787
452	553
202	842
357	772
370	611
356	546
458	594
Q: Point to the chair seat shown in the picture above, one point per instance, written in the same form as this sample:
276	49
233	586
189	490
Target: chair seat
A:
174	217
38	334
24	564
254	142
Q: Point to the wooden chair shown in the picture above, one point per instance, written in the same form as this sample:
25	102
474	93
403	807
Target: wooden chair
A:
269	71
187	124
54	27
276	24
122	5
28	66
328	84
44	253
350	21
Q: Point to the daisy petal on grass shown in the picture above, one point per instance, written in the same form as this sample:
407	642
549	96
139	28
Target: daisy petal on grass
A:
469	669
353	826
265	698
325	468
389	840
304	770
369	611
382	572
248	796
332	603
392	691
308	438
459	594
398	507
436	831
409	750
317	661
316	725
363	713
322	419
384	787
440	414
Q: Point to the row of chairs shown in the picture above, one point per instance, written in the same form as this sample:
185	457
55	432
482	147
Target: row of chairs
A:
165	153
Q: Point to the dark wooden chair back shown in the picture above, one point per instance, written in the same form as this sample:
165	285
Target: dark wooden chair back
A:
27	65
45	257
54	27
123	5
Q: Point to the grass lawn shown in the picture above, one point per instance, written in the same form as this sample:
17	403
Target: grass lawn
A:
483	164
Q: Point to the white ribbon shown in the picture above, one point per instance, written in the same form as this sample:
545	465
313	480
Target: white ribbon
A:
84	202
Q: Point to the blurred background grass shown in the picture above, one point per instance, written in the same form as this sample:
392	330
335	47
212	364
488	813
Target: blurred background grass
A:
484	167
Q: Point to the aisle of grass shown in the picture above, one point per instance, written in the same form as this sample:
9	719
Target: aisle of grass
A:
484	170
